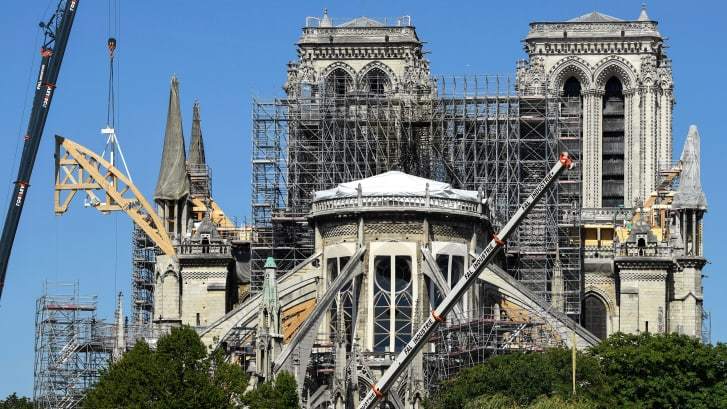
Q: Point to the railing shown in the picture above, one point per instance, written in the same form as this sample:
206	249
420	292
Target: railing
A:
338	22
598	252
652	250
212	248
396	202
606	215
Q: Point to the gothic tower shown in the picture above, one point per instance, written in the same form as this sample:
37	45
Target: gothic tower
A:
620	71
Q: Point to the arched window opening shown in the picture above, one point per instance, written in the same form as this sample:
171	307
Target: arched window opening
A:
338	82
393	302
595	316
612	159
376	82
334	266
572	87
452	268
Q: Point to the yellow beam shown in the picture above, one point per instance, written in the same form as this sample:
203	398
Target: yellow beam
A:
101	175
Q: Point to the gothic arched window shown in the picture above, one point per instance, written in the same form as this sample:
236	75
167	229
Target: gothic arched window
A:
334	266
613	144
393	302
338	82
572	87
376	82
595	316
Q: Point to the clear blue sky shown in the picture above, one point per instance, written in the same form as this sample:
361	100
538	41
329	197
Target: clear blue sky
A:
227	52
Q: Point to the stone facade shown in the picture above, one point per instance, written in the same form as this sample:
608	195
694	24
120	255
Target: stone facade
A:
199	283
355	49
593	49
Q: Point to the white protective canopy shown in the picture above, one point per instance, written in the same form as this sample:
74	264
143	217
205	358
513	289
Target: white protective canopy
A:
395	183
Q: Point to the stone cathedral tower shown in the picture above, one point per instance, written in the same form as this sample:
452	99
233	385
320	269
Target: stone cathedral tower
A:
620	71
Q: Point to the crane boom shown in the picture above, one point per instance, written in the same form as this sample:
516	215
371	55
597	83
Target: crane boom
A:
419	339
57	30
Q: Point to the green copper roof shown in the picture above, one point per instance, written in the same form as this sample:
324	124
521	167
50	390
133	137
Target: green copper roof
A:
270	263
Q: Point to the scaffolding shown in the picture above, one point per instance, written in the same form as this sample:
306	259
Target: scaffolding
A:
486	332
472	132
71	346
142	280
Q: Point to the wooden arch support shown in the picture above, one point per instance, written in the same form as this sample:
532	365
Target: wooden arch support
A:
80	169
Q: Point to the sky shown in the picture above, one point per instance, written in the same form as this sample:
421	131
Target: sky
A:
227	52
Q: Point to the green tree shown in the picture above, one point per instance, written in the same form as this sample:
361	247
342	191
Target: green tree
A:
664	371
132	382
278	394
178	375
496	401
524	377
556	402
15	402
499	401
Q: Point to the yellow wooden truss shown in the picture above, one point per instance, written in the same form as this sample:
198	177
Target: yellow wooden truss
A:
80	169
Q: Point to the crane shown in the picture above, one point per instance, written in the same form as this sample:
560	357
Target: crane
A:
419	339
57	31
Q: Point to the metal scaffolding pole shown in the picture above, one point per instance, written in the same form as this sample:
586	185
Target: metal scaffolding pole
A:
473	132
71	346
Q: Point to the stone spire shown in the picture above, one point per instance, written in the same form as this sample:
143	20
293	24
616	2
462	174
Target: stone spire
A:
196	145
119	340
326	20
270	300
690	194
643	16
173	183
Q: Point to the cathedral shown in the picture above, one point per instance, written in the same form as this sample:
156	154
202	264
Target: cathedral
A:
376	184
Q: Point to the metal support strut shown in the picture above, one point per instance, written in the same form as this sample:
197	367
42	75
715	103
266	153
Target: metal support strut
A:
420	338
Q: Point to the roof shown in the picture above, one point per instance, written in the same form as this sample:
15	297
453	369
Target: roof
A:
594	17
270	263
395	183
362	22
206	227
196	145
173	183
639	228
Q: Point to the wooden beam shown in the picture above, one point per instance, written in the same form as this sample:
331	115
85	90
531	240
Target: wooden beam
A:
102	176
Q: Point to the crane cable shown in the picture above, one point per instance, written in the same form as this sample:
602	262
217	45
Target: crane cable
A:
111	113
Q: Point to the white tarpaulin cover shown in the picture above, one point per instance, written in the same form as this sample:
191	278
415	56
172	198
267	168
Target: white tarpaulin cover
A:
395	183
690	194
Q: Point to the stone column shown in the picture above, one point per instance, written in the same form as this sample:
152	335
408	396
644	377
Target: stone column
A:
591	154
666	104
631	141
648	146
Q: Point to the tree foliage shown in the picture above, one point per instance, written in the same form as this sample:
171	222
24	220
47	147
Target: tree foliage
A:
499	401
278	394
664	371
178	375
632	371
523	377
15	402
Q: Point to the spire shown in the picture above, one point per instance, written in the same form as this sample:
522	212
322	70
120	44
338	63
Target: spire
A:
690	194
643	16
172	183
196	145
270	300
119	341
326	21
